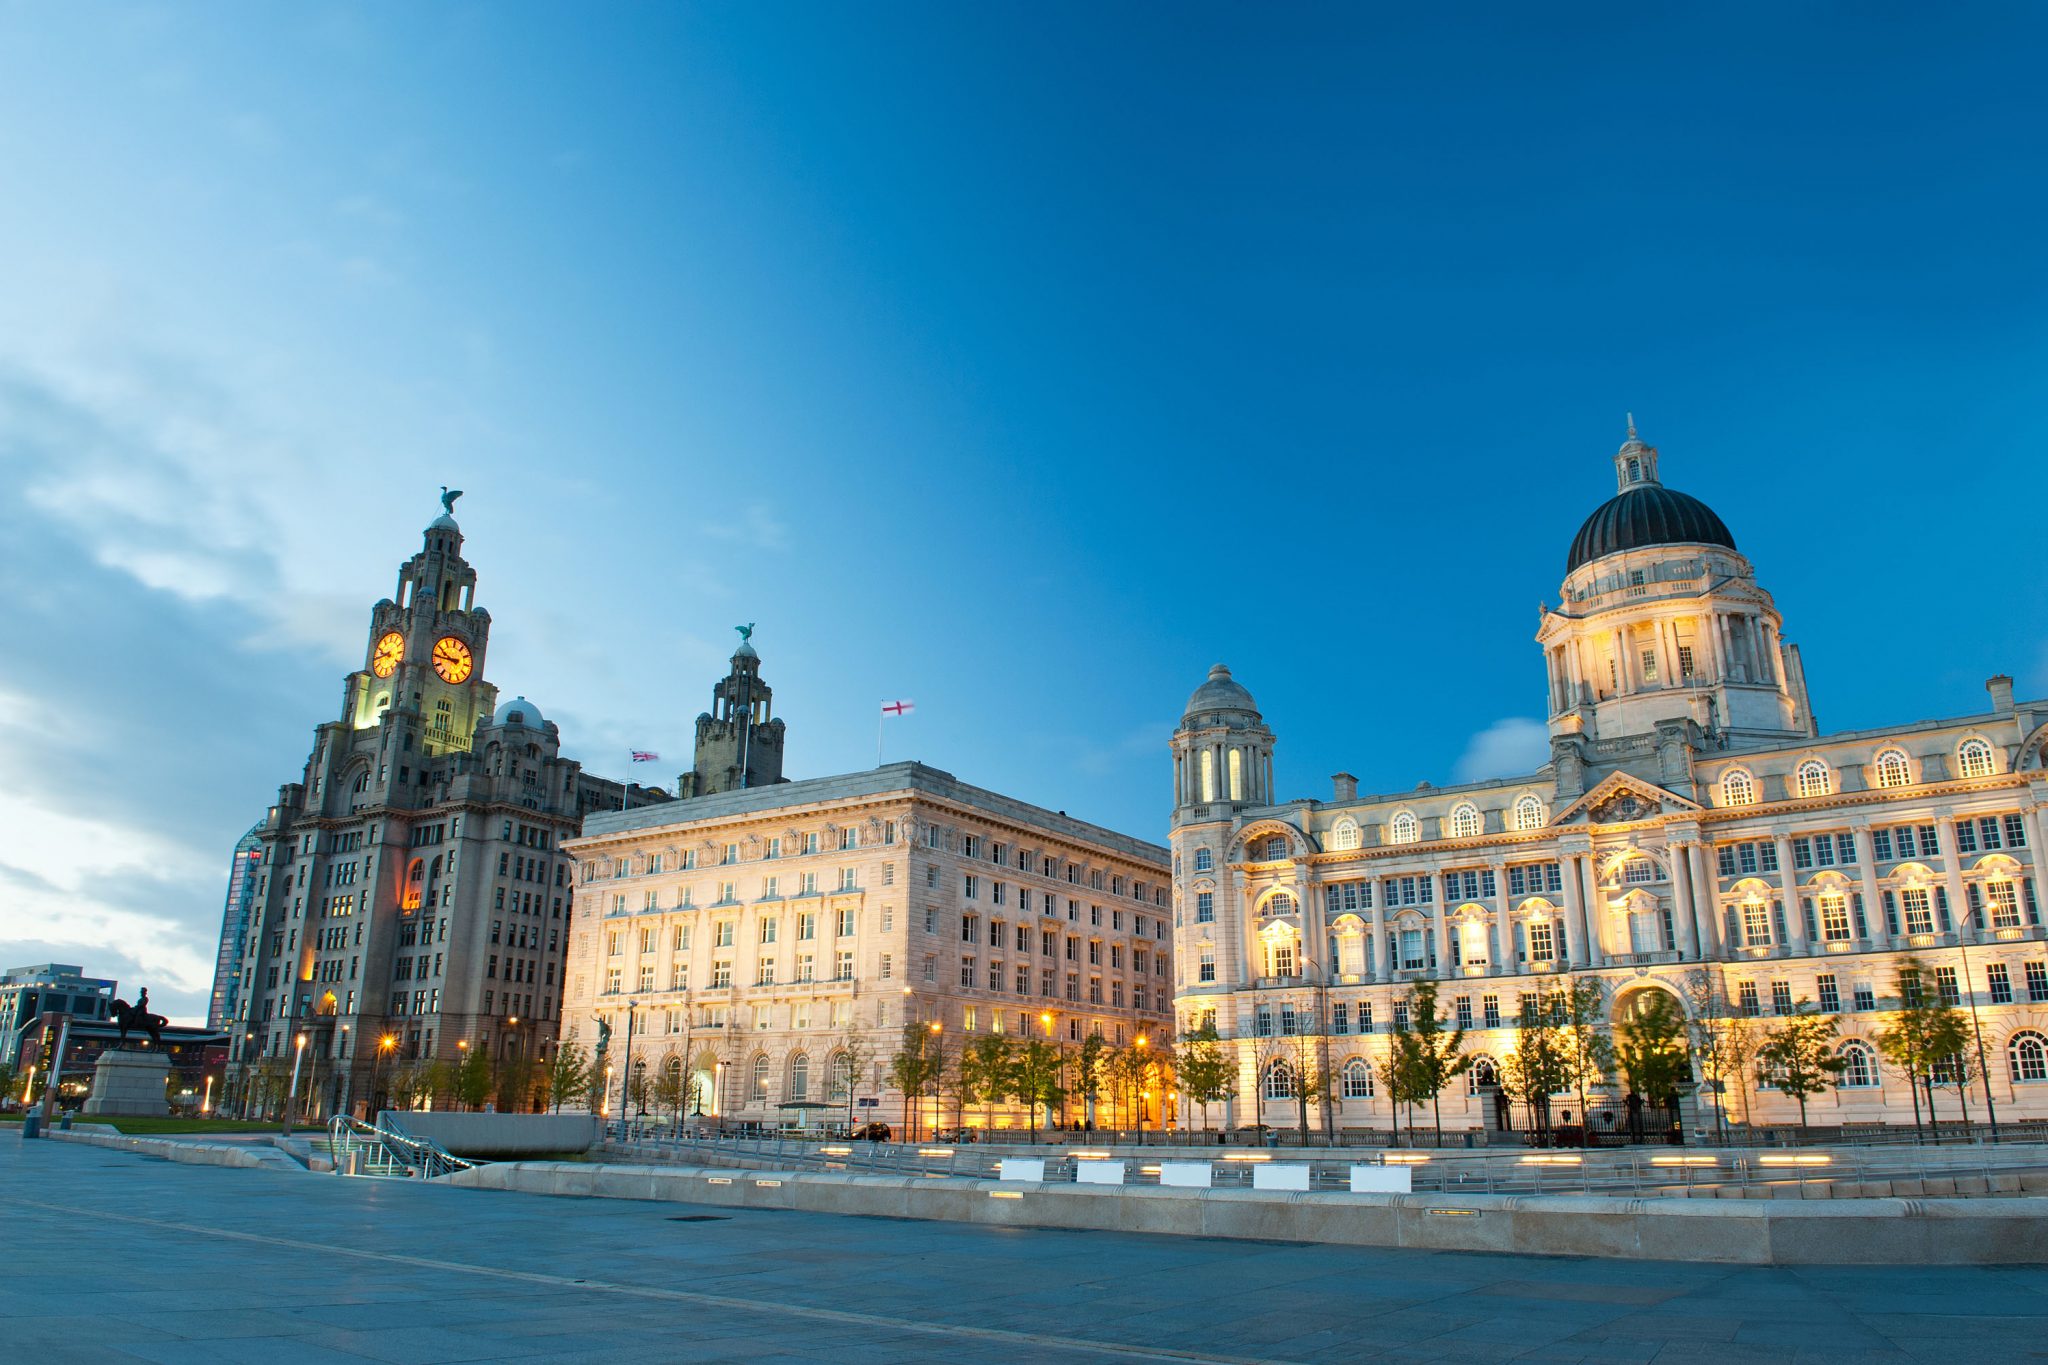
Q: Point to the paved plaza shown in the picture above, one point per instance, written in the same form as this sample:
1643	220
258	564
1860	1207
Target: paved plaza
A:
118	1257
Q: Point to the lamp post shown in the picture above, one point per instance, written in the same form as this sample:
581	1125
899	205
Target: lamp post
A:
206	1101
933	1072
1324	1088
626	1065
1977	1025
385	1045
292	1099
1138	1084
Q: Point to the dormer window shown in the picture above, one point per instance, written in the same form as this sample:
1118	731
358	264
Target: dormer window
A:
1635	471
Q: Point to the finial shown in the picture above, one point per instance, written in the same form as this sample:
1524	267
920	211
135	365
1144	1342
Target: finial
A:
448	499
1632	426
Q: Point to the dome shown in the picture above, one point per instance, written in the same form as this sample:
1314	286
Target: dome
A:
1647	514
747	651
1220	693
519	711
444	522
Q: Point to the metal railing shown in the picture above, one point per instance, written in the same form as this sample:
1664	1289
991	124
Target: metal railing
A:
386	1149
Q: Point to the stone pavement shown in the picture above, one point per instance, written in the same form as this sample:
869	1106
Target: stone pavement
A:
115	1257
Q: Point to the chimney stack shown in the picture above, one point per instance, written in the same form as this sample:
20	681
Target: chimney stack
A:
2000	688
1347	786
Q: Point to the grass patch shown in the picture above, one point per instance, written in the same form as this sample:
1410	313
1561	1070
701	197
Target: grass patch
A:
143	1127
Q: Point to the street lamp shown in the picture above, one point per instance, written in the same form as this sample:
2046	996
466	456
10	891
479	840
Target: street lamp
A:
206	1103
937	1112
385	1046
292	1100
1144	1064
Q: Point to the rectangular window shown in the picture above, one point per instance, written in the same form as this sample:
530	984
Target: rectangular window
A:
1540	942
721	973
2037	981
967	973
1947	987
1781	997
1919	912
1830	994
1464	1011
2001	983
1489	1011
1205	907
1863	997
1746	1001
842	969
1966	837
1340	1018
1881	844
1207	970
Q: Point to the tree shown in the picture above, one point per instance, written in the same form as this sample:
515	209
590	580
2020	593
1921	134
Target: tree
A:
671	1090
915	1068
1924	1032
514	1084
568	1075
984	1072
1798	1056
1538	1067
856	1054
638	1090
1579	1008
1035	1079
1088	1071
1650	1047
1430	1055
1401	1079
1206	1074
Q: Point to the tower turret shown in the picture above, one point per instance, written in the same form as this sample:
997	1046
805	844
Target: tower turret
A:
739	741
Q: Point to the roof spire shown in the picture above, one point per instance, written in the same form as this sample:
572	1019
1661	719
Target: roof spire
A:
1632	426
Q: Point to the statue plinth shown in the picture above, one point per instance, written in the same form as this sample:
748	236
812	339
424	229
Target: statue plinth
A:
130	1083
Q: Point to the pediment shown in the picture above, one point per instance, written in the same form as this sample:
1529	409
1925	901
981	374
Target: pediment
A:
1624	799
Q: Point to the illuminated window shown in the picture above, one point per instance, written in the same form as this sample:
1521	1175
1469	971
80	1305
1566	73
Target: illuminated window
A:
1465	821
1756	923
1919	911
1404	829
2005	904
1639	870
1280	959
1860	1073
2029	1055
1528	813
1974	758
760	1089
1279	903
1738	788
1834	916
1279	1082
1892	769
1273	850
1346	836
1540	943
1814	778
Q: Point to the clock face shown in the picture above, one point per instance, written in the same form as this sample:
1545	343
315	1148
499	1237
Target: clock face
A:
390	650
452	660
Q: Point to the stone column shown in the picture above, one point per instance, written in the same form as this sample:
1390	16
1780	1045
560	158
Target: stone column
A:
1952	878
1873	904
1707	902
1788	885
1497	921
1376	954
1716	645
1574	910
1683	919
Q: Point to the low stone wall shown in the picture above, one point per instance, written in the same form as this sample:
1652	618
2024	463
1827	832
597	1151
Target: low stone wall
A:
501	1136
1747	1232
260	1156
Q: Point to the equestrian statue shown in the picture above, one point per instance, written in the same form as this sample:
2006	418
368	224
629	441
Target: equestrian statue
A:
138	1018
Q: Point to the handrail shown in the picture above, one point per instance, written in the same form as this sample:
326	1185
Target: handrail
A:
398	1148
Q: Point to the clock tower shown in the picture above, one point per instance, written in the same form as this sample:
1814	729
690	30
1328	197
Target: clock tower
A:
425	654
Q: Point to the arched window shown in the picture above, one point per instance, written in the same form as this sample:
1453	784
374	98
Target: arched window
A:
1738	788
1236	775
1892	769
1279	1082
1279	903
1814	778
800	1077
1357	1079
1346	836
1273	849
1973	759
1465	821
1205	861
761	1080
1480	1076
839	1079
2029	1056
1528	813
1861	1071
1404	829
1208	769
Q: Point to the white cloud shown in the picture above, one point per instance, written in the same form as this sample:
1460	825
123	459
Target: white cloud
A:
1506	748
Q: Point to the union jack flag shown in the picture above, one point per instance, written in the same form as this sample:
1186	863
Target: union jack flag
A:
646	756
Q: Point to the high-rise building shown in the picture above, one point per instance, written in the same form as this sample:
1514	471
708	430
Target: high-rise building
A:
234	928
28	993
1695	838
411	900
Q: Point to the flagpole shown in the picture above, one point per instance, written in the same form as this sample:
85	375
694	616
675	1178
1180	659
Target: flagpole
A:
880	716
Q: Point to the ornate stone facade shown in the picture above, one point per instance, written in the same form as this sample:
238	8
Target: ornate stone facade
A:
757	935
1694	832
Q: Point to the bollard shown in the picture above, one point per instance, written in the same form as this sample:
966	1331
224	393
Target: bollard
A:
31	1124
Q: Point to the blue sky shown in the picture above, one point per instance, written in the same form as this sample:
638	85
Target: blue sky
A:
1021	360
